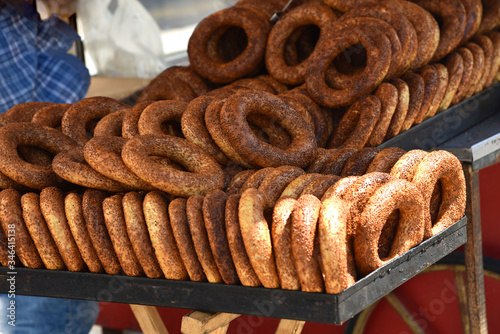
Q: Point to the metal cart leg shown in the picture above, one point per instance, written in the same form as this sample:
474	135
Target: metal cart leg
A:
149	319
474	255
198	322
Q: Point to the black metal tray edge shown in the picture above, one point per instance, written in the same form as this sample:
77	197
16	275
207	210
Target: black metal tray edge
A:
259	301
449	123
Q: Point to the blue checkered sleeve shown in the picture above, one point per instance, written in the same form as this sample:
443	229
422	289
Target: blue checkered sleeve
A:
34	60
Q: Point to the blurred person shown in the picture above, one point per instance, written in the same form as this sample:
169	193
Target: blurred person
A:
35	66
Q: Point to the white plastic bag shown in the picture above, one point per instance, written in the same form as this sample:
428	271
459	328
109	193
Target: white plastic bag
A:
122	38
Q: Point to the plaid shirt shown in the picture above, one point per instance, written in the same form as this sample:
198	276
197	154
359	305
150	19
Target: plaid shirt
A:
34	60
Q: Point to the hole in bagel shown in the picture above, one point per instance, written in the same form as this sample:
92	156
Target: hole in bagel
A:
269	131
435	203
300	44
352	60
90	126
228	43
388	234
172	128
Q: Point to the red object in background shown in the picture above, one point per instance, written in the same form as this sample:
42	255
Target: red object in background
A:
421	288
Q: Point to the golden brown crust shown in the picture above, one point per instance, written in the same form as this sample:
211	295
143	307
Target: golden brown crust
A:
473	16
426	27
257	237
138	234
477	67
337	161
431	82
72	167
319	185
195	130
131	119
443	166
455	65
378	61
452	28
238	181
117	229
233	115
76	119
495	38
40	233
336	250
394	195
111	124
157	113
52	208
198	230
17	234
51	115
385	160
281	231
358	163
73	208
357	124
246	274
295	188
208	61
466	80
203	173
442	83
491	16
213	208
155	207
322	156
388	95
406	166
305	249
24	112
340	188
487	45
31	134
402	107
318	15
96	227
276	181
416	86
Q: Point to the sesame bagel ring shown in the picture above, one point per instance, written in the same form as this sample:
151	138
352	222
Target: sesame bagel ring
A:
199	235
51	115
455	65
425	25
104	155
97	231
358	163
444	167
155	206
257	237
138	234
281	231
52	208
131	117
337	161
195	129
315	14
37	227
385	160
30	134
336	254
378	62
404	29
213	208
276	181
304	248
78	116
203	173
203	46
111	124
295	188
241	261
402	107
160	112
76	221
72	167
357	124
11	219
233	115
388	95
117	229
452	29
394	195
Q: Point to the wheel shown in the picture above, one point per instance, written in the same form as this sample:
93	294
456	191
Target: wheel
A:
432	302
